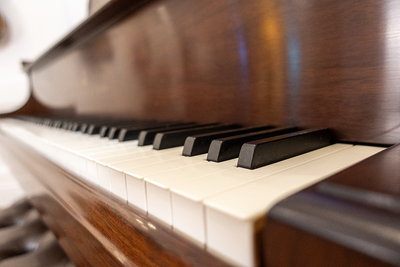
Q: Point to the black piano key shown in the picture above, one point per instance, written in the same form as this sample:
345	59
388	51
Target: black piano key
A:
105	129
177	138
199	144
262	152
96	128
56	124
64	125
76	127
93	129
74	124
115	130
229	148
147	137
84	127
132	133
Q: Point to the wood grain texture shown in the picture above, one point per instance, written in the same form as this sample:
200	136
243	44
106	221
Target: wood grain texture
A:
94	227
287	246
378	174
317	63
352	219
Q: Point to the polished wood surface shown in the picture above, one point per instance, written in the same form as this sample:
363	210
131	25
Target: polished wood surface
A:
290	247
361	201
311	63
94	227
378	174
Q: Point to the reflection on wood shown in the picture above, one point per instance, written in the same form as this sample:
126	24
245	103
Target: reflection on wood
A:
314	63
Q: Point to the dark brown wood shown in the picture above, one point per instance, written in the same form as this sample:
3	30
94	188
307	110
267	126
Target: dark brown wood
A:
94	227
287	246
378	174
365	201
319	63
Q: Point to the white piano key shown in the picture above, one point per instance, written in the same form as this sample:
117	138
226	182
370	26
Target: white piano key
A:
103	172
235	211
116	170
103	175
135	177
120	148
91	160
137	153
118	185
90	167
108	147
194	191
76	161
157	185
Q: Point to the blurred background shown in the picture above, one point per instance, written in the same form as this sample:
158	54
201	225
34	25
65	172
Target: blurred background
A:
27	29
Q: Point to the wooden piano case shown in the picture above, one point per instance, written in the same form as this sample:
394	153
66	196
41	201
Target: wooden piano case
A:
314	63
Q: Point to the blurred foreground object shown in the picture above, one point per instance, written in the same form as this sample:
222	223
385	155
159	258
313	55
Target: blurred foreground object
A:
2	24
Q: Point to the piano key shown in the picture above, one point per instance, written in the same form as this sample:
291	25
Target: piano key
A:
132	133
85	126
115	130
157	185
65	125
229	147
135	184
199	144
270	150
95	128
103	147
76	127
98	150
178	137
92	161
191	193
146	137
237	210
103	163
117	175
183	168
56	124
105	129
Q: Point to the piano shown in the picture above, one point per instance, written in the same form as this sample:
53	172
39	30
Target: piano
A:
315	65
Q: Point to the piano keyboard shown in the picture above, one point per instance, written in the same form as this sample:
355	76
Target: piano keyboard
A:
216	205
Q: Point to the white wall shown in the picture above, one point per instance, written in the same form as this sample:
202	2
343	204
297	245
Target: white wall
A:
33	26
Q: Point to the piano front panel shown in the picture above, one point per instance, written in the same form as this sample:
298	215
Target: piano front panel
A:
309	63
